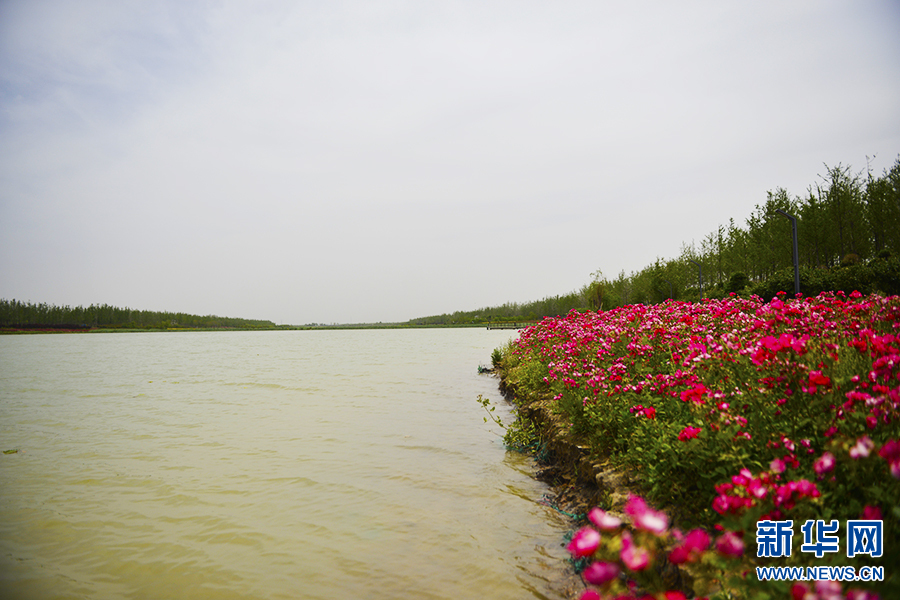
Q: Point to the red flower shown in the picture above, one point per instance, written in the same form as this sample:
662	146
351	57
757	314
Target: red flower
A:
816	378
695	394
689	433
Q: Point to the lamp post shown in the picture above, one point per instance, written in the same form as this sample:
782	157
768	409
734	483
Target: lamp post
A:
701	276
796	250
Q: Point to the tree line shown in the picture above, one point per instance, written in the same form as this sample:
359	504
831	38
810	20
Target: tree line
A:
26	315
848	226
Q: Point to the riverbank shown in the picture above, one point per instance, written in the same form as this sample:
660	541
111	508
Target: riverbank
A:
563	461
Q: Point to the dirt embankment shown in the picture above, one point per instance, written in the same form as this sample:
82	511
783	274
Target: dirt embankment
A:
579	481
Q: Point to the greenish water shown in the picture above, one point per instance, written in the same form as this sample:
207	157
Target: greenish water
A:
276	464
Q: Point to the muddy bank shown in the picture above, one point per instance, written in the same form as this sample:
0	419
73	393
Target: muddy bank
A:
579	482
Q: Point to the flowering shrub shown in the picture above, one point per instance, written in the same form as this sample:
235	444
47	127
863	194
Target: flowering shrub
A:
732	410
632	562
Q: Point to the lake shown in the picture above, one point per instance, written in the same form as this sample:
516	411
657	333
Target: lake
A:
270	464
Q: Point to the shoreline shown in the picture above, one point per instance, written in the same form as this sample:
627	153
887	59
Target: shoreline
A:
576	483
564	463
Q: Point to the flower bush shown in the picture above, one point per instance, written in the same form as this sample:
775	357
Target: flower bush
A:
636	563
729	411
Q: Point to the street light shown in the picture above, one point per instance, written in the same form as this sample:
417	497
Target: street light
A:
796	250
701	276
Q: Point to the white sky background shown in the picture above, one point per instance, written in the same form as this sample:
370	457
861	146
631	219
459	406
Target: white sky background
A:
380	161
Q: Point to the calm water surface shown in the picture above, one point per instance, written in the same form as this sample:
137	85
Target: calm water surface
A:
294	464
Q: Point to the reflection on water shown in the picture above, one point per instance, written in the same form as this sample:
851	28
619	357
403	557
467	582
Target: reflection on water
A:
313	464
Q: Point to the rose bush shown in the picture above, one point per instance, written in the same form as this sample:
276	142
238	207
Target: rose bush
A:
728	411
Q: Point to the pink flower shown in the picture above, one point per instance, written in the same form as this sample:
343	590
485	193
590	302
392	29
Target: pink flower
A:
730	544
890	451
599	573
690	549
757	489
650	412
804	487
584	543
829	590
863	447
604	520
589	595
645	518
674	595
824	464
689	433
742	478
777	466
634	557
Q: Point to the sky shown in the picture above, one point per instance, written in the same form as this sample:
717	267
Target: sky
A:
366	161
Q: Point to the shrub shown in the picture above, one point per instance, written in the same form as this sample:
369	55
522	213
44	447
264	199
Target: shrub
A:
712	403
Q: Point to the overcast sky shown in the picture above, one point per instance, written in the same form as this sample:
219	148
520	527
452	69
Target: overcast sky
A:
379	161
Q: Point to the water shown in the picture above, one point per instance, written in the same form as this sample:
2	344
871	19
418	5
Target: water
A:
295	464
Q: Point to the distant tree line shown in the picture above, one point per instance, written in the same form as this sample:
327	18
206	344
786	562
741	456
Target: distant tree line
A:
848	228
15	314
510	312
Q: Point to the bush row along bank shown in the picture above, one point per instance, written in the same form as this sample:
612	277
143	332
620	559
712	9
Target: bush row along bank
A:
877	275
845	219
735	410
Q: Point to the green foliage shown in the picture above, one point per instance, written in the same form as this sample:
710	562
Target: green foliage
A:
848	229
511	312
15	314
522	435
738	282
879	275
